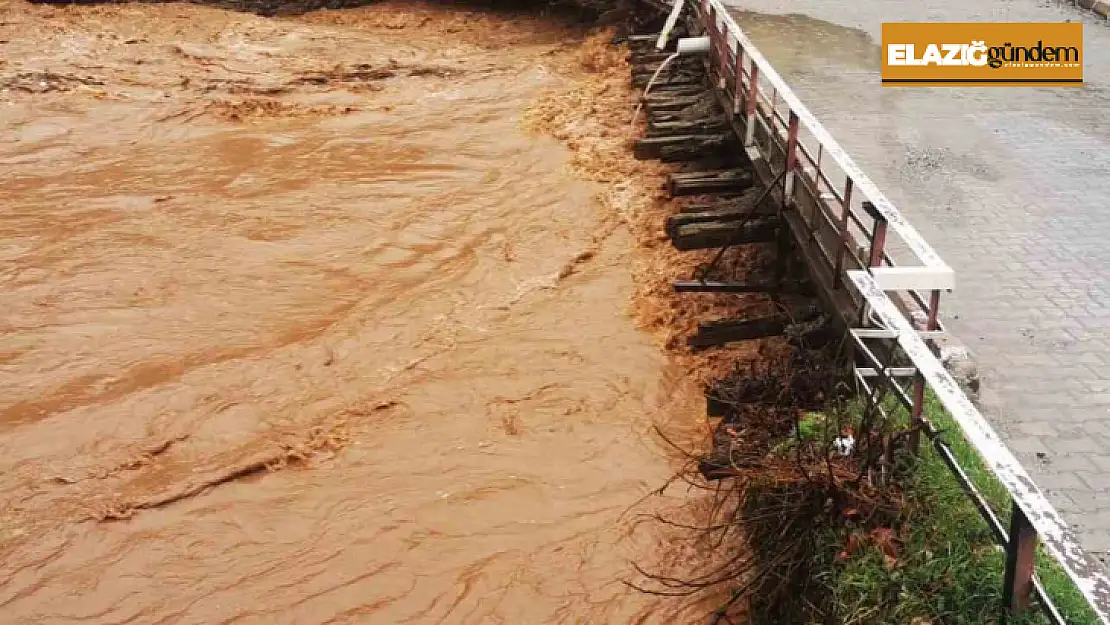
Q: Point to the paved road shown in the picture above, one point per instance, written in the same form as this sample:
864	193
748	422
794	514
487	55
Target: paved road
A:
1012	186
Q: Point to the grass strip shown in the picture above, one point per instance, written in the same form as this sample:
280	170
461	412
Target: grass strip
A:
949	569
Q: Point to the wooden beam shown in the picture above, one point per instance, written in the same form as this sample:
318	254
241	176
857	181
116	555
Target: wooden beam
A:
657	104
721	233
711	151
714	333
668	78
709	286
687	126
729	213
672	91
653	147
720	182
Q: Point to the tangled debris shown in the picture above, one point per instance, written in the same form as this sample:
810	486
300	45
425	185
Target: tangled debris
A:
319	440
44	82
785	490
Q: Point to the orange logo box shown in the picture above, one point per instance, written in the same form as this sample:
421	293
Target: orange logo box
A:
987	54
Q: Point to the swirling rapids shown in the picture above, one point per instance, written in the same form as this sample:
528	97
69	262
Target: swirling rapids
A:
300	325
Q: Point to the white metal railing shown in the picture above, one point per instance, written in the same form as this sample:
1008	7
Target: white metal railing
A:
844	221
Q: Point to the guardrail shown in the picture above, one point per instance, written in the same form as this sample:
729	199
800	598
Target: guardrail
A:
869	259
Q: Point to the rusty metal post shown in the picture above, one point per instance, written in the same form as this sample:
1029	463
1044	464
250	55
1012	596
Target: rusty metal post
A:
790	164
738	85
714	43
845	238
753	102
791	159
1020	551
919	380
878	242
878	235
723	50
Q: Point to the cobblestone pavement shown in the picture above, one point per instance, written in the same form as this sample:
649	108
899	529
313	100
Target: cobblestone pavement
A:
1012	186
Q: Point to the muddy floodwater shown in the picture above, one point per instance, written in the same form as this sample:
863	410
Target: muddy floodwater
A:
301	323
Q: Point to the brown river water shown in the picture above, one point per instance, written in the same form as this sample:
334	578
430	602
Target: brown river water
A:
302	323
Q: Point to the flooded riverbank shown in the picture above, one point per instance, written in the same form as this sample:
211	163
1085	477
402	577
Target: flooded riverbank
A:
305	321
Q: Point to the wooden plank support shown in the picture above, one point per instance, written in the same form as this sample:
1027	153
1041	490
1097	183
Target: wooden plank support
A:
640	65
715	333
719	151
669	78
719	182
709	286
683	114
666	117
653	147
686	126
665	91
655	102
647	43
676	97
734	213
638	58
730	206
720	233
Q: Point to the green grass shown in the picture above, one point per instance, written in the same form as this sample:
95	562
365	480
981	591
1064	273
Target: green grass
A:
949	569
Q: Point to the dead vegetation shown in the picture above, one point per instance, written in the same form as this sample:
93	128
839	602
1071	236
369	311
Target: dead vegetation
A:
797	477
256	108
45	82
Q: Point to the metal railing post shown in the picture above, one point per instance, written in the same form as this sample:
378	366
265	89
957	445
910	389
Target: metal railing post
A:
919	380
878	242
791	158
738	85
845	236
714	46
1020	551
878	236
722	58
753	102
710	25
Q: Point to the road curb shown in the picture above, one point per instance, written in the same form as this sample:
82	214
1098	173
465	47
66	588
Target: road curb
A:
1099	7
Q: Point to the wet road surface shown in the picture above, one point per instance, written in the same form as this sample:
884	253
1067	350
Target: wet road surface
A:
300	324
1010	185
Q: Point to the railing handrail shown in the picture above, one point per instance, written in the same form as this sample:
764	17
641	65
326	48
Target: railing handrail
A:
1060	541
934	272
1031	509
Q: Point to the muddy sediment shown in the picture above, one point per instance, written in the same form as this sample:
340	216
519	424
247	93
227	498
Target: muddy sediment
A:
310	320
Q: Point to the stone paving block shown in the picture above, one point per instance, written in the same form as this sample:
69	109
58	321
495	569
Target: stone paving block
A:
1102	462
1066	481
1086	445
1037	428
1096	481
1071	463
1028	445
